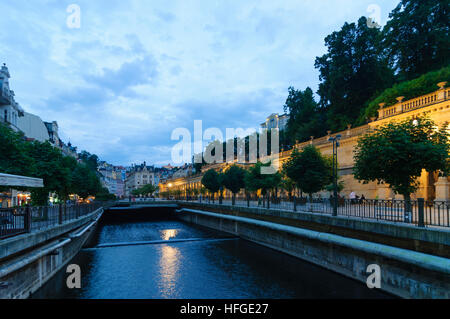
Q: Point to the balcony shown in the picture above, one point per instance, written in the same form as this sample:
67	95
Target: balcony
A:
401	106
5	95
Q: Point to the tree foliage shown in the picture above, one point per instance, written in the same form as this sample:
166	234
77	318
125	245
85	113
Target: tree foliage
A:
145	190
396	154
212	181
351	73
234	178
255	180
416	38
305	116
61	174
309	169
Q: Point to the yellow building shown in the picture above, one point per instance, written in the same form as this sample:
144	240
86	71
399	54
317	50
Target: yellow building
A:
434	105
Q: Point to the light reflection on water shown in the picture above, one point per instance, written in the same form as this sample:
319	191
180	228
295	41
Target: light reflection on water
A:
168	234
169	264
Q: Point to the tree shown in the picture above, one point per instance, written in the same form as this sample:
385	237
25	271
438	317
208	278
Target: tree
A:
13	157
352	72
396	154
340	187
48	165
309	169
288	185
416	38
145	190
90	159
211	180
305	116
234	180
85	181
105	195
255	180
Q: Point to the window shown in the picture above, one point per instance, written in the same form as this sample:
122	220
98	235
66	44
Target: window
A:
6	115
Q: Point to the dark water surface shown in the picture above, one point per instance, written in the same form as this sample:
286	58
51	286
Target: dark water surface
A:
174	260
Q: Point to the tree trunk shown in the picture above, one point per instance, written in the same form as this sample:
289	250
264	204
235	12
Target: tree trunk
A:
220	197
233	202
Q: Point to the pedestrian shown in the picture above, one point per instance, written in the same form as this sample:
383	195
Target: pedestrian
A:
352	197
362	199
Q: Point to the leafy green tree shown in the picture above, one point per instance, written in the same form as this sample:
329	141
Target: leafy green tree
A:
352	72
234	180
396	154
69	165
212	181
105	195
305	117
91	160
288	185
85	181
416	38
48	165
145	190
255	180
309	169
340	187
13	157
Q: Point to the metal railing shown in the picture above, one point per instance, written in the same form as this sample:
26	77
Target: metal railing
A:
421	213
15	221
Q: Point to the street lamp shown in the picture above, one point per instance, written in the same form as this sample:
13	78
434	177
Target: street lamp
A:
336	144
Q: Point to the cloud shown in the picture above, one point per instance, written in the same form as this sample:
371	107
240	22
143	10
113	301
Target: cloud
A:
136	70
129	74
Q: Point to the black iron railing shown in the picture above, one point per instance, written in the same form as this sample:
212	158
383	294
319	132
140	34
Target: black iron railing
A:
15	221
419	212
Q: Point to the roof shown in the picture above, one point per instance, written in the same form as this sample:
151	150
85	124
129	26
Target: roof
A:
22	181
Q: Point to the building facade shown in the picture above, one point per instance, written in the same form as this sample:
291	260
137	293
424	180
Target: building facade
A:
276	121
113	178
10	110
139	176
435	105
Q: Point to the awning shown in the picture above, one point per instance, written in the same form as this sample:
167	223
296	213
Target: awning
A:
22	181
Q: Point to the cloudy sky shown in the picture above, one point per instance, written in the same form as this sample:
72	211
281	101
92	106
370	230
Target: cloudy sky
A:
136	70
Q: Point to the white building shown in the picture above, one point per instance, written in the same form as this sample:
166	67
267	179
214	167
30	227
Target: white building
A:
10	110
276	121
14	116
33	127
139	176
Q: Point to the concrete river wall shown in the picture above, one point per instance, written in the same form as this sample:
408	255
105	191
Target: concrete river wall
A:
28	261
404	272
414	262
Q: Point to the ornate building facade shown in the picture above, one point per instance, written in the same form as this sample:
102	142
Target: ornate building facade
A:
435	105
139	176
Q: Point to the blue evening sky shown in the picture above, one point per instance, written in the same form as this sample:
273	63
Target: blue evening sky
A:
136	70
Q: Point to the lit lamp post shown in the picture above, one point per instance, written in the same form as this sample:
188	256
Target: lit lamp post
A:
335	141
